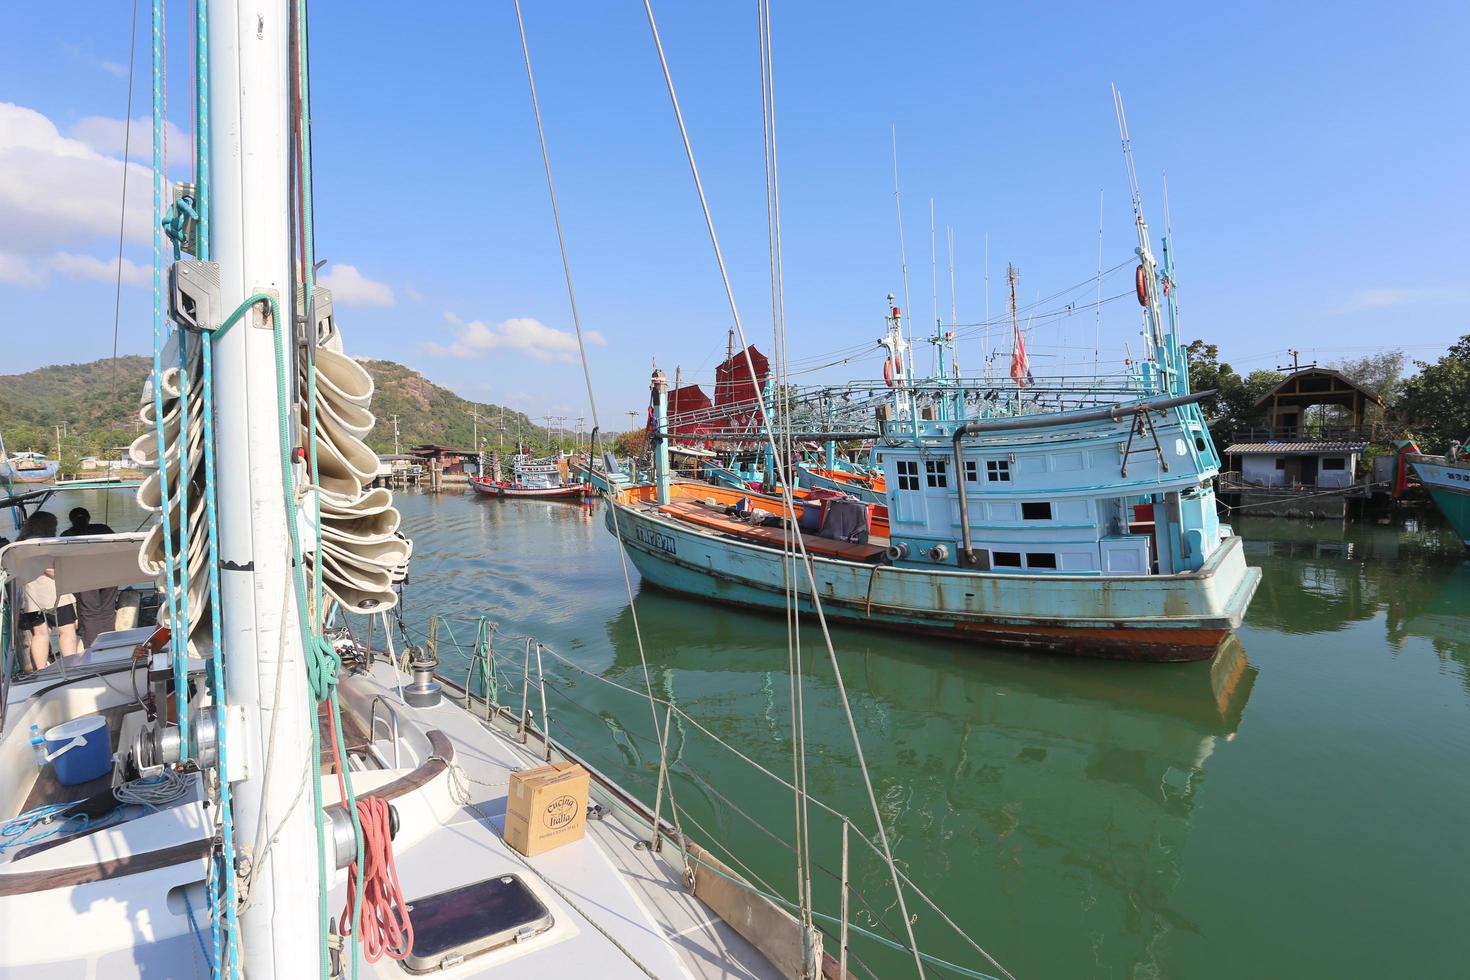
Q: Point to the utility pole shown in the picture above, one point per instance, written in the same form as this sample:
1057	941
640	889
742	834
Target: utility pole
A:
632	419
395	436
60	431
1296	364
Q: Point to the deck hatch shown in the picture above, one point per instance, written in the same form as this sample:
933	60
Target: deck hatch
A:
452	926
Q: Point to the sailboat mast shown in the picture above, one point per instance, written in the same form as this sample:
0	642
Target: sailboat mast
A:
249	238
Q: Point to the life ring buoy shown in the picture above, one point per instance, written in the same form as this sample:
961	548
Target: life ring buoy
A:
1140	285
888	371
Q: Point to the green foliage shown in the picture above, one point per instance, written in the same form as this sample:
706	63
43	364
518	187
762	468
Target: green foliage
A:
428	413
633	443
1233	406
1381	373
99	402
1435	404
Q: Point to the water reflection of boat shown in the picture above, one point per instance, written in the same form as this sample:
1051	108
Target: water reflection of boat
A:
1065	780
1438	617
1208	697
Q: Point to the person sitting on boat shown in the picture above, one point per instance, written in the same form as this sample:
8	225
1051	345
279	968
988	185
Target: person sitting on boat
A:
42	609
96	608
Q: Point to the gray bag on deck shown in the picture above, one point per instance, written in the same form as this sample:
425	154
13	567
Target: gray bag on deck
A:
847	520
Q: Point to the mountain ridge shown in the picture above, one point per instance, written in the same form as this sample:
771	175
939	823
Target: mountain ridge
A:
98	401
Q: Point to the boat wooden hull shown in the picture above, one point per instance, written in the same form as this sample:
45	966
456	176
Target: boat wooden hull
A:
489	489
1143	618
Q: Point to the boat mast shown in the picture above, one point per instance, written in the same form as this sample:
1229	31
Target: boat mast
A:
1160	354
249	238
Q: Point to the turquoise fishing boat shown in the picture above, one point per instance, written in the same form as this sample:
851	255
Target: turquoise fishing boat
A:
1447	478
1089	529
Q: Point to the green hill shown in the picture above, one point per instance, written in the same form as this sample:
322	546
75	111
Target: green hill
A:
99	403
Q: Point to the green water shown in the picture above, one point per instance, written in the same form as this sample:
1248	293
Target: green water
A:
1294	809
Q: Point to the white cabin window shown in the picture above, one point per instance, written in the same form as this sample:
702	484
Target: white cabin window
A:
936	473
998	470
972	471
1041	559
1005	559
908	474
1036	510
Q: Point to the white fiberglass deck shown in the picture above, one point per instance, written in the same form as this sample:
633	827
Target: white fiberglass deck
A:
619	910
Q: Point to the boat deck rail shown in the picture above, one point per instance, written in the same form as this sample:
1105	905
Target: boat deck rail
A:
509	677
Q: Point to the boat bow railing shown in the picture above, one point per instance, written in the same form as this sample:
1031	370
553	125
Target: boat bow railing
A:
510	688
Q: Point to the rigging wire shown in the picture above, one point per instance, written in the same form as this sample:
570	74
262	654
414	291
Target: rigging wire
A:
586	367
123	210
780	465
788	560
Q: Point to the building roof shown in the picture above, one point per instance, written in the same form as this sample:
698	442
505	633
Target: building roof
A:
1295	448
1317	386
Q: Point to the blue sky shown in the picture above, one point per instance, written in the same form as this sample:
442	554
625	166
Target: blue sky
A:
1316	158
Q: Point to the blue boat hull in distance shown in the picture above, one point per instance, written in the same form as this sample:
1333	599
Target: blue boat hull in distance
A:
1143	617
38	474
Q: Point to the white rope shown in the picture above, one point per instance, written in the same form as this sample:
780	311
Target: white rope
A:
157	791
780	465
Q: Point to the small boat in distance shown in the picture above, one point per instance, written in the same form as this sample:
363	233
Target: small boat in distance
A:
26	467
539	479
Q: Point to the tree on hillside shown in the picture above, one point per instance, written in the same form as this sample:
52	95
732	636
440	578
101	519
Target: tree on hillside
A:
1435	404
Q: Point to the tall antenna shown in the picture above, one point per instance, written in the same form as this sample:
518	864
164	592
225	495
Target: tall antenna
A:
954	306
1097	309
903	262
934	286
1015	326
985	327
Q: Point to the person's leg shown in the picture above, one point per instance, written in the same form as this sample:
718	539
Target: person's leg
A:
40	645
66	629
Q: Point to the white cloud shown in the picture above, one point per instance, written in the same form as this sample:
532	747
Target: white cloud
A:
102	270
526	335
351	288
35	272
20	271
1388	298
58	191
110	136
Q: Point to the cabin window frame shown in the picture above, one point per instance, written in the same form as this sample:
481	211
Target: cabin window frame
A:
1001	559
1046	556
1337	464
1035	504
908	474
997	471
936	474
972	471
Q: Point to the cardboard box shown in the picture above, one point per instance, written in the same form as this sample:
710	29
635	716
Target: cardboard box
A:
546	807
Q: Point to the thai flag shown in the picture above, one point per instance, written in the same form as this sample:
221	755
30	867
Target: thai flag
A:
1020	363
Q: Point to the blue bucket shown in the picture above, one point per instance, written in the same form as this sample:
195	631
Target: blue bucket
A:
80	750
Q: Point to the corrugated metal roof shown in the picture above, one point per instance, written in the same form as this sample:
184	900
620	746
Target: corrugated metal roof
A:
1289	448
